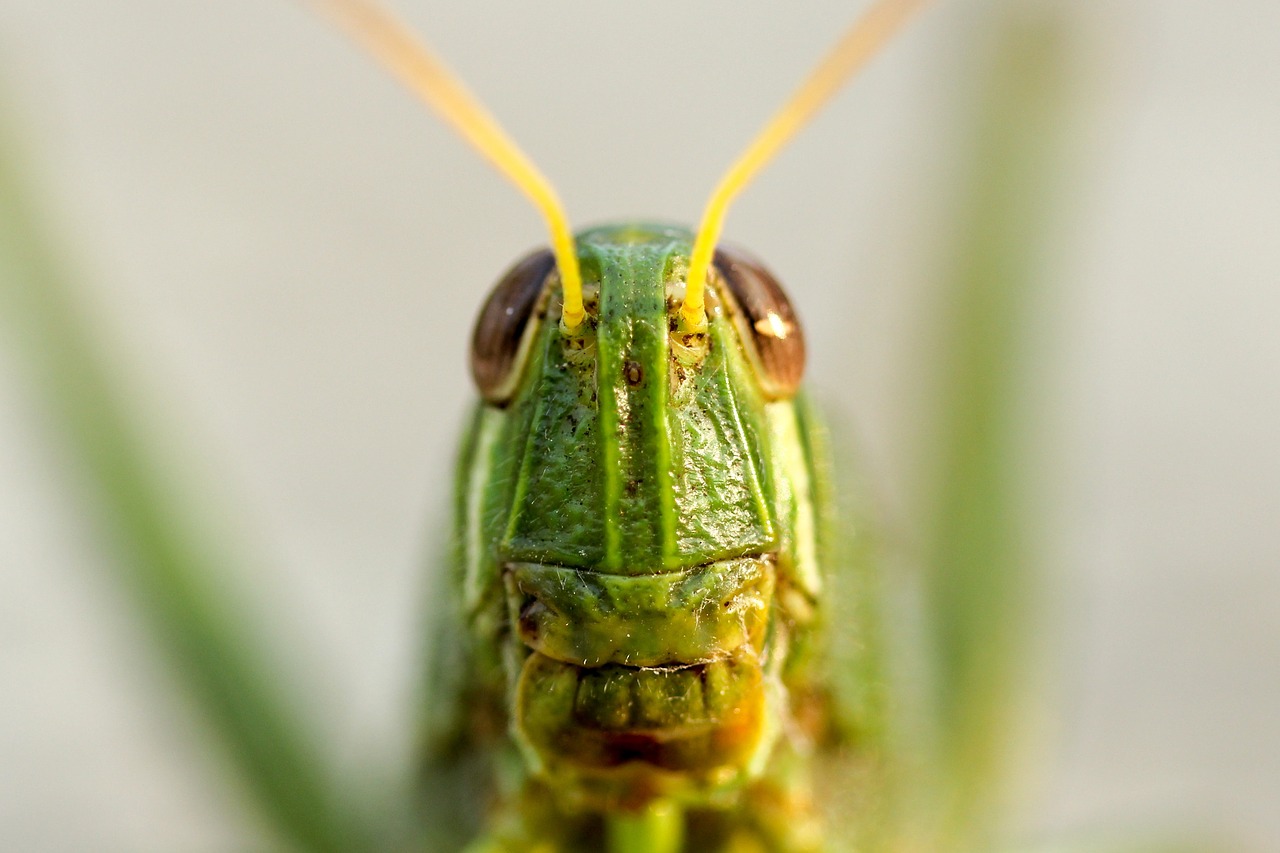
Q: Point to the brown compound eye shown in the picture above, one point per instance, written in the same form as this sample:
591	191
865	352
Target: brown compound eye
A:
500	342
766	322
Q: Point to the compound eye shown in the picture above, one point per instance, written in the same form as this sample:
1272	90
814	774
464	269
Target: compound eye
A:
504	331
767	324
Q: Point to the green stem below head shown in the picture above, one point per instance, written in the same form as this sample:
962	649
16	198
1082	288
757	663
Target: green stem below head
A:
657	829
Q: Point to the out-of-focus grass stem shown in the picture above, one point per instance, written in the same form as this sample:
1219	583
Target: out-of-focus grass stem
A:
978	565
177	580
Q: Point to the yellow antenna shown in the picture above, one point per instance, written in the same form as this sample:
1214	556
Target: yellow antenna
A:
864	38
414	63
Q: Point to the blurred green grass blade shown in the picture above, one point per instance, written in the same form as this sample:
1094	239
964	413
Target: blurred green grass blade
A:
977	573
174	575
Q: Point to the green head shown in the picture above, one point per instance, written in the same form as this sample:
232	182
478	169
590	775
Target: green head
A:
642	455
637	535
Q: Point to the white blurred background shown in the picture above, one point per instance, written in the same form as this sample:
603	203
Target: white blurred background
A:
289	252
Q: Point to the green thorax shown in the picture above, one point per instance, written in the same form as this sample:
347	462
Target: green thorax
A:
633	455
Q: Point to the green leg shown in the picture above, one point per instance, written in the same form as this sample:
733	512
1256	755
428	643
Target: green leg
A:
657	829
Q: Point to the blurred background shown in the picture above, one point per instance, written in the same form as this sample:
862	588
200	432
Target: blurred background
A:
287	253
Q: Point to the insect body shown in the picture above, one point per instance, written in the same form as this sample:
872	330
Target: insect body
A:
638	562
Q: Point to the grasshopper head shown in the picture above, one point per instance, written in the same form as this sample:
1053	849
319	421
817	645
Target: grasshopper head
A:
638	542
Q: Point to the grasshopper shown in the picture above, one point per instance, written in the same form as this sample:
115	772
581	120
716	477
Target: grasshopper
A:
643	523
637	653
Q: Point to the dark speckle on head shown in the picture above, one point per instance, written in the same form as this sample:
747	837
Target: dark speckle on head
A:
634	373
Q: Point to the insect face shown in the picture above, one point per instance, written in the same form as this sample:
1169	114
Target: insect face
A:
638	541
